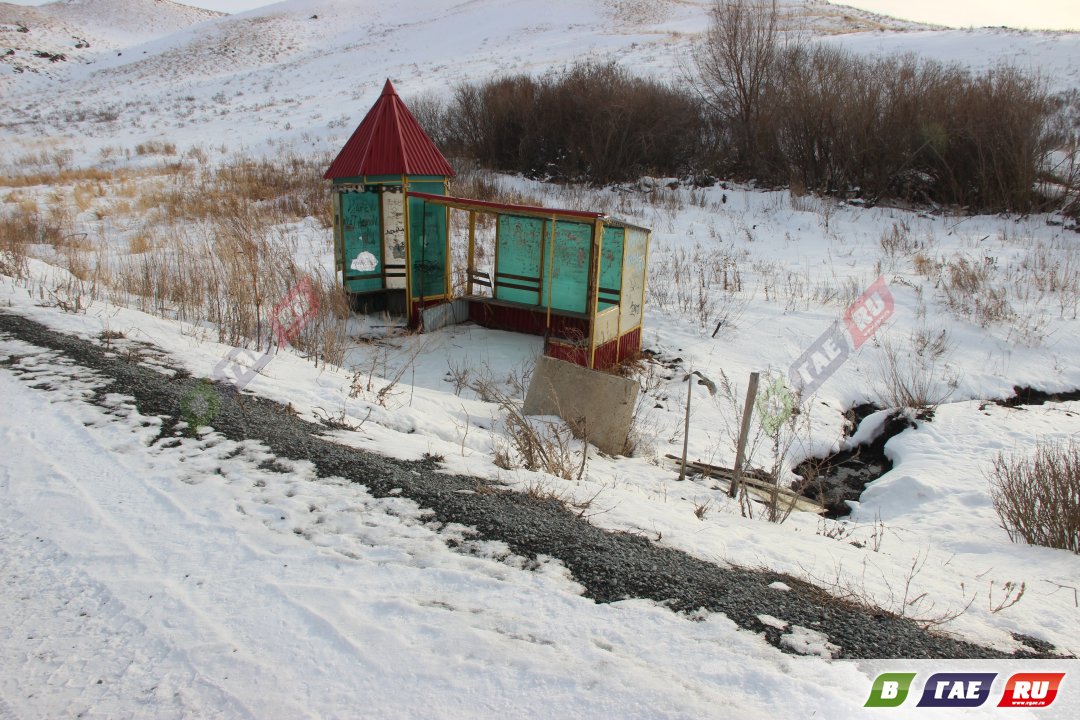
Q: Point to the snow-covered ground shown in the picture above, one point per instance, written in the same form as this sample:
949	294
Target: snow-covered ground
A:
212	587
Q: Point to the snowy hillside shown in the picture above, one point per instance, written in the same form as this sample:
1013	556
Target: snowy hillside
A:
125	22
42	40
155	569
304	70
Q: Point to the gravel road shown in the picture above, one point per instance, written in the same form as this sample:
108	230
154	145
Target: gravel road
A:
610	565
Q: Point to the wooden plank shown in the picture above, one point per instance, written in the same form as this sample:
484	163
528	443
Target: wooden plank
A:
756	482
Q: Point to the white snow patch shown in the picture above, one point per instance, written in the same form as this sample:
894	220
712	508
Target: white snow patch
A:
805	641
773	622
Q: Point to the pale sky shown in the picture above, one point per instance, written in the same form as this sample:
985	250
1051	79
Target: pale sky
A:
1038	14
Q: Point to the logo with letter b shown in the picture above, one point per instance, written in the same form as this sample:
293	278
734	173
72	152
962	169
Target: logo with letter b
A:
890	690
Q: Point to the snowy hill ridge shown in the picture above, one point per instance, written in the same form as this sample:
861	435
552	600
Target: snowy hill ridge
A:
47	40
316	65
128	21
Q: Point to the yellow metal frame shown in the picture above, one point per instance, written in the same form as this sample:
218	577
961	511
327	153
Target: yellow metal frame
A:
471	264
550	268
594	285
408	249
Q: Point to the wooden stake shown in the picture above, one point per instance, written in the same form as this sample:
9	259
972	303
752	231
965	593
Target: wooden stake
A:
686	427
744	431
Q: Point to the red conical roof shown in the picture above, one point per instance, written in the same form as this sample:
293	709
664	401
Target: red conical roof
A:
389	141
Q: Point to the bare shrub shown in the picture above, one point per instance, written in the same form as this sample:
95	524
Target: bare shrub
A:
155	147
897	241
393	370
590	122
912	374
924	265
16	232
823	119
902	601
1037	496
459	375
535	444
737	63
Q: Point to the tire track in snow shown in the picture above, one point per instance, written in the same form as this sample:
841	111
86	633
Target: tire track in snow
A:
72	624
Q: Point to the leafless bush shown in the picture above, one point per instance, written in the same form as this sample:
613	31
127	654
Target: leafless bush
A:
535	444
155	147
364	382
1064	170
912	374
459	375
1037	497
826	120
897	241
16	232
736	62
589	122
896	600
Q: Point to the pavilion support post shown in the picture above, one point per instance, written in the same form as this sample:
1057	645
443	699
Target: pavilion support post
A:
593	298
471	267
408	251
550	268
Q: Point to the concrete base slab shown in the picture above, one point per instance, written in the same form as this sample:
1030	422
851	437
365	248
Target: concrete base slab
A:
597	406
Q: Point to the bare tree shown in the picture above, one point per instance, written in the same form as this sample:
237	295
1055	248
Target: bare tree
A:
736	62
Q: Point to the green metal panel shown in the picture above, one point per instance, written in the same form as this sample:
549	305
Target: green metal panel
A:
427	245
569	280
363	241
520	244
611	265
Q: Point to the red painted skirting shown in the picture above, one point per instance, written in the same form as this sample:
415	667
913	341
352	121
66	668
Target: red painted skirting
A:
567	338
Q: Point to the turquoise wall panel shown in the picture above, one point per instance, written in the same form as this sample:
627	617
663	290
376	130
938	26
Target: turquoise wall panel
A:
611	265
427	245
521	241
362	237
569	280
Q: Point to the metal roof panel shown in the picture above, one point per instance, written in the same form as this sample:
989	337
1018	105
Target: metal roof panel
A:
389	141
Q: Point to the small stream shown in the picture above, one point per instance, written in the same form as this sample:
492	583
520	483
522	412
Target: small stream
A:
842	476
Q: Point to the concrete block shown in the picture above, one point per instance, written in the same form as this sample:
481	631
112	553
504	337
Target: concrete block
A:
596	405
